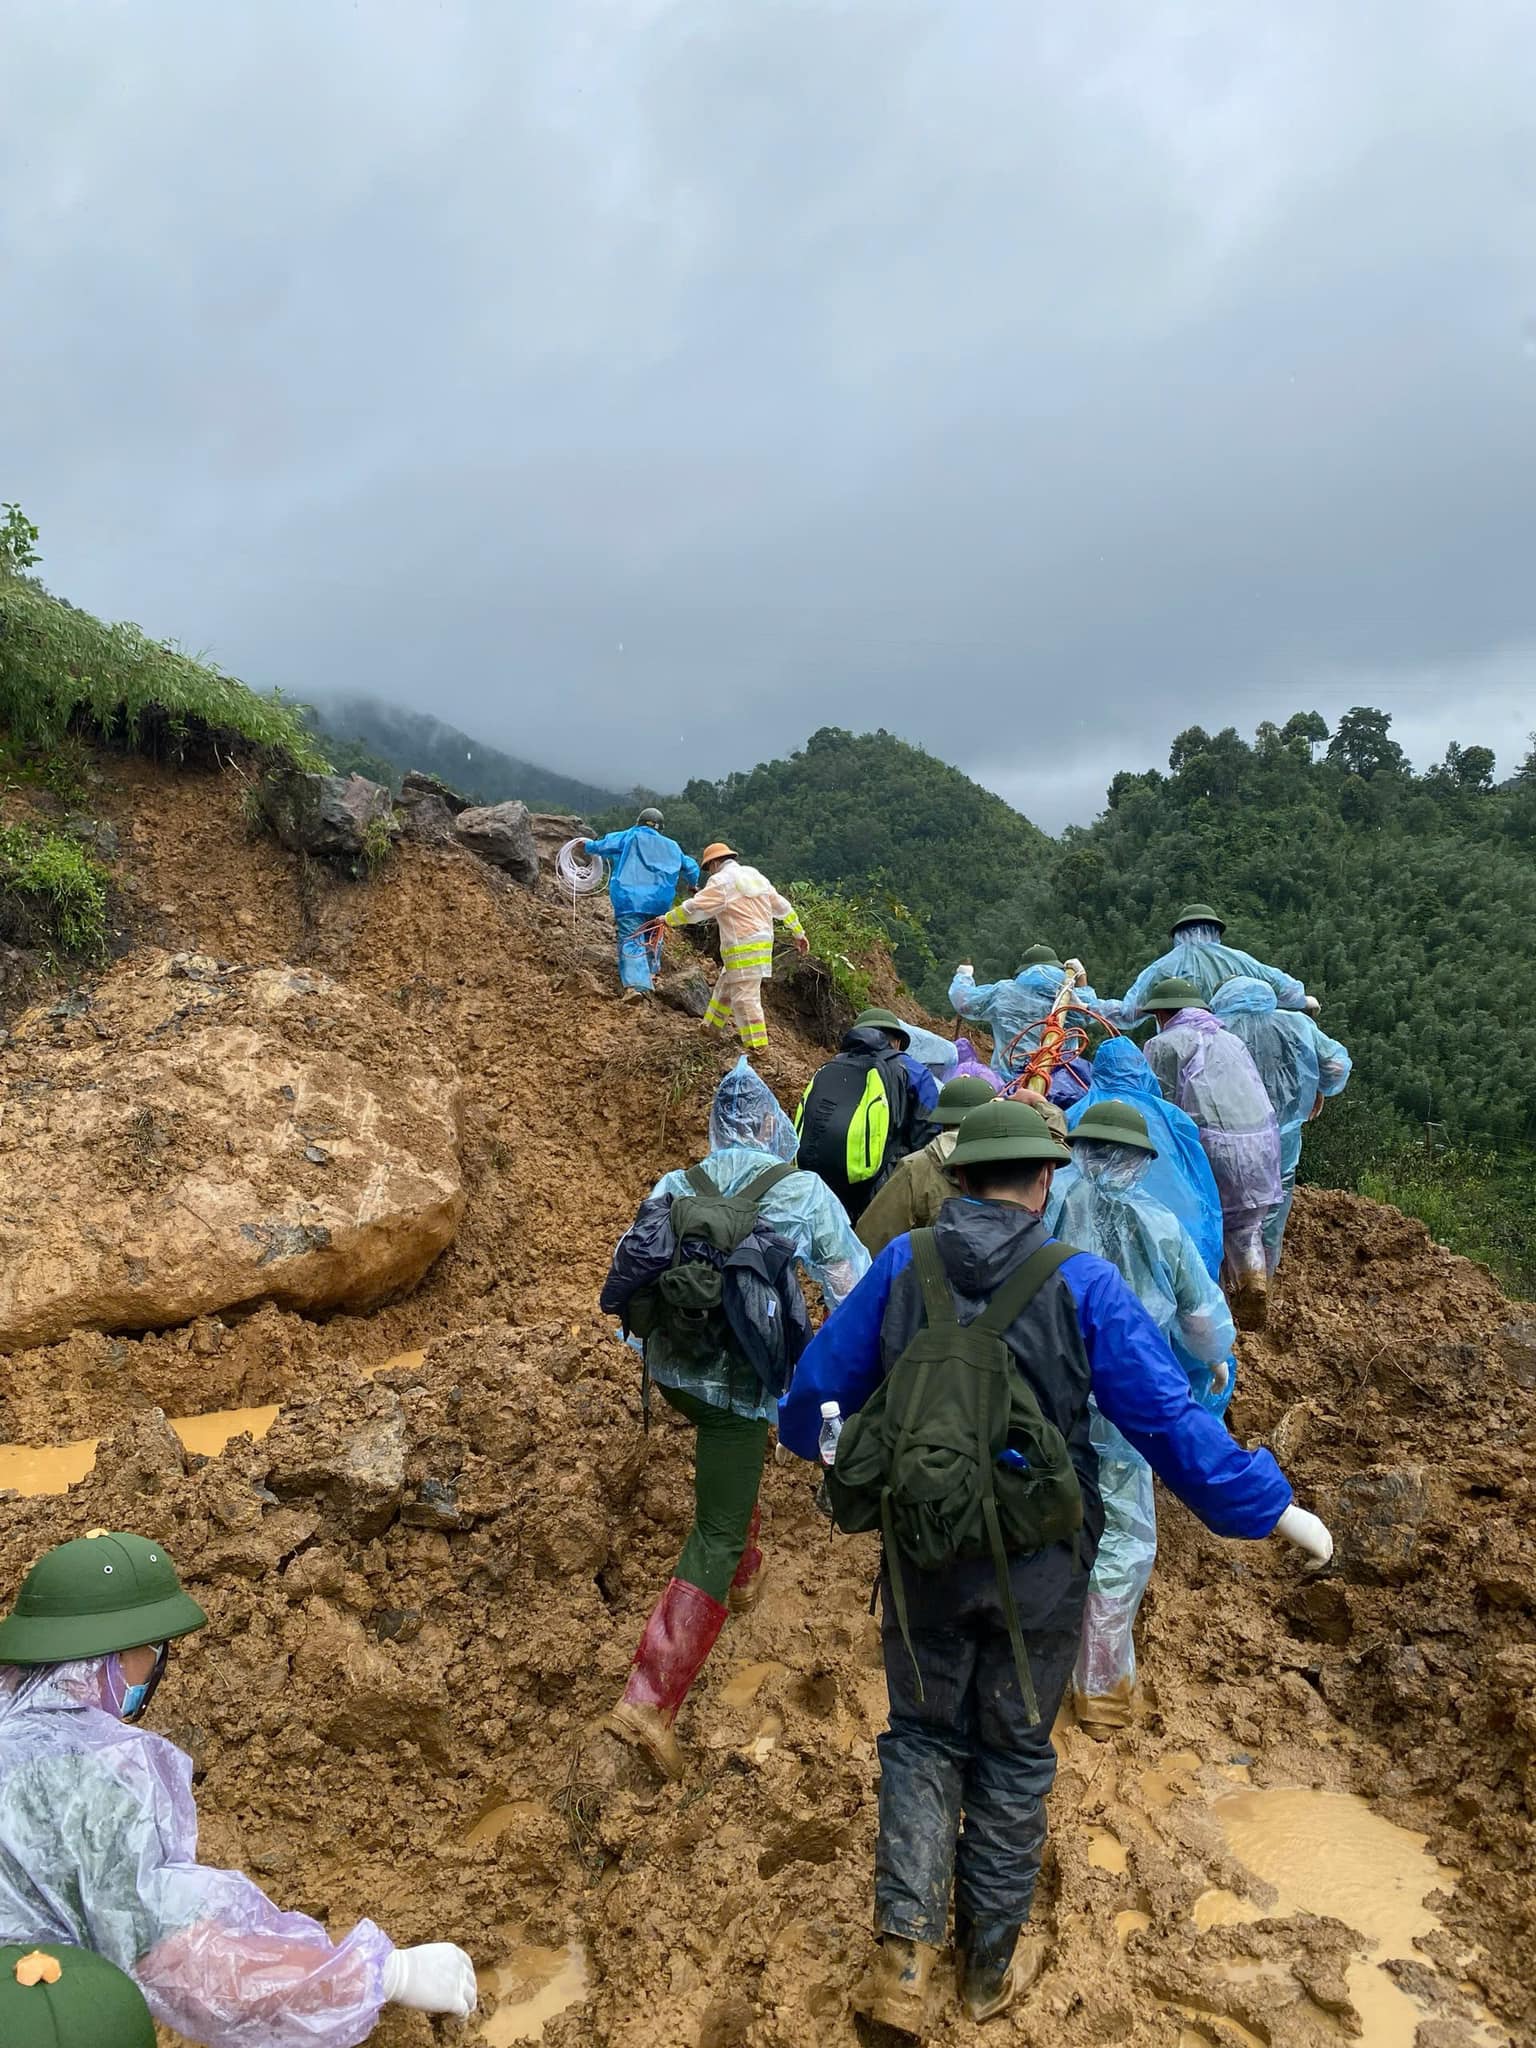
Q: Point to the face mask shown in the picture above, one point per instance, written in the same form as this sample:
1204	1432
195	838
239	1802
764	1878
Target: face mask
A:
136	1698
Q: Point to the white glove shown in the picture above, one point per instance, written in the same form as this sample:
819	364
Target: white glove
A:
965	967
1308	1532
1311	1005
1076	969
1220	1374
434	1977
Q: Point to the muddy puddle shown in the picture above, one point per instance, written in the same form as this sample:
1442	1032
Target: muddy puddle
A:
1332	1854
31	1470
533	1986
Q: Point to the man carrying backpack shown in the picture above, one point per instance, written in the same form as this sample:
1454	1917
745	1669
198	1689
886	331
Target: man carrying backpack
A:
986	1331
862	1113
711	1216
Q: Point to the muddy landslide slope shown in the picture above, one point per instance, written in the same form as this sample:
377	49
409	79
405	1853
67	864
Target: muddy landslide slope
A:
425	1580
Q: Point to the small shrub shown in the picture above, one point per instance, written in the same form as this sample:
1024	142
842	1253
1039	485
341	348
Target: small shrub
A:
378	844
51	892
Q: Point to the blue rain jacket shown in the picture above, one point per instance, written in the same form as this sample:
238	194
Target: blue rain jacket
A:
1009	1007
1136	1382
1198	956
643	870
1180	1177
1297	1062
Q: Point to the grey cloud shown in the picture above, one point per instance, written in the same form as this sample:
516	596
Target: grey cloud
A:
643	385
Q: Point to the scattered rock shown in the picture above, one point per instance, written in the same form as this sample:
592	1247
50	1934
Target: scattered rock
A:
418	788
361	1472
688	992
503	835
96	833
397	1624
1377	1518
330	816
160	1175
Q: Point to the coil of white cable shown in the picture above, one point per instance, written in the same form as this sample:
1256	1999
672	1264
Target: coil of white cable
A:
581	873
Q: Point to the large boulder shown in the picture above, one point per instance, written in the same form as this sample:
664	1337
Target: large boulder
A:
503	835
428	808
334	817
184	1147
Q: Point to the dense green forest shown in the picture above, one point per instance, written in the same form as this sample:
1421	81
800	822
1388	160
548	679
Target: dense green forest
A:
878	818
382	741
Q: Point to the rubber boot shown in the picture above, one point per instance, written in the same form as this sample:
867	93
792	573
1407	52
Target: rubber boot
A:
747	1587
894	1989
680	1634
995	1968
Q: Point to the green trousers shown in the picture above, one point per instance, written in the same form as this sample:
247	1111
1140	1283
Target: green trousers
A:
727	1472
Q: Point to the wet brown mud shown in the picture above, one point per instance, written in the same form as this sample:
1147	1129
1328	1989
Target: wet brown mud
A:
426	1576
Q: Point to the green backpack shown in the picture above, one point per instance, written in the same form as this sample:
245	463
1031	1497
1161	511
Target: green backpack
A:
919	1461
684	1304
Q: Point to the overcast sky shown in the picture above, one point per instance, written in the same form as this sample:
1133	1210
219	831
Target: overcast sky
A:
642	384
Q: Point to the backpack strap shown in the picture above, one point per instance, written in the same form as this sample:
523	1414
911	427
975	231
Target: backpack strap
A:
757	1191
938	1301
1021	1287
700	1182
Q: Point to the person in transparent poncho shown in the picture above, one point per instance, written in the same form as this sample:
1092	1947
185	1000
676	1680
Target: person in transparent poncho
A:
1300	1066
720	1570
1209	1073
1200	955
1109	1212
1008	1007
98	1829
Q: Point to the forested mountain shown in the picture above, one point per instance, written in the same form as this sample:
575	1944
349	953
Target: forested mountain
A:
875	816
383	741
1406	902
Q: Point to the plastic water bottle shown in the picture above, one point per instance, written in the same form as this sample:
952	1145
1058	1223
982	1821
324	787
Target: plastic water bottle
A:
826	1445
1011	1460
831	1430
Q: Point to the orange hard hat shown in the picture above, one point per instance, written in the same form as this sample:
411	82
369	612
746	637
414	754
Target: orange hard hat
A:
719	851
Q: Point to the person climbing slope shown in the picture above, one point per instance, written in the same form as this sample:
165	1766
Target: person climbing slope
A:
1300	1066
700	1364
1109	1212
1008	1007
62	1997
1199	956
861	1113
644	868
1208	1072
744	905
978	1646
98	1832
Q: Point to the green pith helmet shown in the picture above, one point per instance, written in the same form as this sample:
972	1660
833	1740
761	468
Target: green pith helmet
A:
1115	1123
1039	956
59	1997
883	1020
956	1097
101	1593
1005	1130
1199	913
650	816
1174	995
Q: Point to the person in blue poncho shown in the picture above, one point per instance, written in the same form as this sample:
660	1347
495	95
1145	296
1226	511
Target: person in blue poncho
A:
720	1569
1199	956
1109	1211
1300	1066
1008	1007
644	868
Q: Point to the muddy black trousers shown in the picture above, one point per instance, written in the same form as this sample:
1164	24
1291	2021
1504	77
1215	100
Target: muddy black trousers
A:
963	1772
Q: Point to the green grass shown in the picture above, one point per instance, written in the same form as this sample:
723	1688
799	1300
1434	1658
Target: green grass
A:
52	894
64	672
1479	1203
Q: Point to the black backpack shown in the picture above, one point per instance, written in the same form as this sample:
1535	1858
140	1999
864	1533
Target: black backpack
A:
919	1461
851	1116
686	1301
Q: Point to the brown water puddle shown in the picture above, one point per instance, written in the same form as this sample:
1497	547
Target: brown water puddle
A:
743	1687
498	1817
1331	1853
35	1469
1106	1851
533	1985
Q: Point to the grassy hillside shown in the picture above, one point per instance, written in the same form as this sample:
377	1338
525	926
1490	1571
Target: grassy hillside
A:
878	818
384	741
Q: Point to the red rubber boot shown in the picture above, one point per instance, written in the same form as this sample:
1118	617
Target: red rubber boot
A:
678	1637
747	1586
